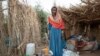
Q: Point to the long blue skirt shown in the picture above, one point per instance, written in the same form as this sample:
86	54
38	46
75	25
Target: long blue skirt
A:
57	43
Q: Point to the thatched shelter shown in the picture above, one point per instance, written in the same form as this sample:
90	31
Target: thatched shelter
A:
84	17
22	27
23	24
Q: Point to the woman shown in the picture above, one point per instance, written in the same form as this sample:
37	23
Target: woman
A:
55	26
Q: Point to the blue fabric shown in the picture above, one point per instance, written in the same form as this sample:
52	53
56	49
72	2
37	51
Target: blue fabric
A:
57	43
72	36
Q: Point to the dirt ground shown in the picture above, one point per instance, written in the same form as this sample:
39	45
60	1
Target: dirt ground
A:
87	53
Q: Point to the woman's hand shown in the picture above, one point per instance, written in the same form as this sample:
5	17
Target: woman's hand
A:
62	33
48	35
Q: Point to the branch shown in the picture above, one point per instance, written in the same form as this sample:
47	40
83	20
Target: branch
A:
3	9
2	0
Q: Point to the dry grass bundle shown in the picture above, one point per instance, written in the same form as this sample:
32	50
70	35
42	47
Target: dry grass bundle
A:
87	12
24	24
2	32
22	28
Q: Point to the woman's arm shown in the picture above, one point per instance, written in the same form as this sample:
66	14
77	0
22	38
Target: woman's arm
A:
63	34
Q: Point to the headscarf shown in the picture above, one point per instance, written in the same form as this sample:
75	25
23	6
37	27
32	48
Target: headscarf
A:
58	23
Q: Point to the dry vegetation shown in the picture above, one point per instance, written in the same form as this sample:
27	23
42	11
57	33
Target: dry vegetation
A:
21	28
22	25
82	18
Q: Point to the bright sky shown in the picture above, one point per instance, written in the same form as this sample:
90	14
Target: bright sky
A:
47	4
4	6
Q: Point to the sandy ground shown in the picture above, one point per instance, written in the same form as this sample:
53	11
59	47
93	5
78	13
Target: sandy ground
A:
87	53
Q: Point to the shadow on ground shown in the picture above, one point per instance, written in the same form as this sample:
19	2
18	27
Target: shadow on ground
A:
87	53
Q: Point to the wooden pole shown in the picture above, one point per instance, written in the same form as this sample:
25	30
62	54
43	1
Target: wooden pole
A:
85	29
88	31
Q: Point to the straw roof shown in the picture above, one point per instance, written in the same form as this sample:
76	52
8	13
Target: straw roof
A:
86	13
88	10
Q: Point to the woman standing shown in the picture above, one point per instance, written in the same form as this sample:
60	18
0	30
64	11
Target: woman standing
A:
55	28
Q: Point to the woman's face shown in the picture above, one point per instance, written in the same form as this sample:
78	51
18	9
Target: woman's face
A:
54	11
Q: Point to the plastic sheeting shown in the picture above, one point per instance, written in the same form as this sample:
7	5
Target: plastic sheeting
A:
70	53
